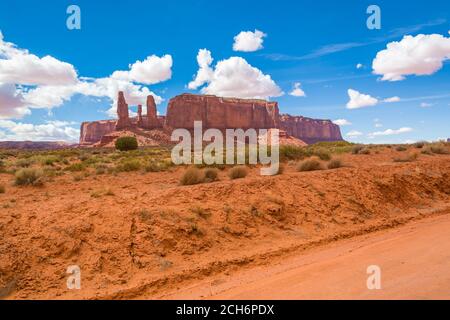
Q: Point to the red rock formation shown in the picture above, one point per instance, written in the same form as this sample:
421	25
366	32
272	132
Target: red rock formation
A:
139	119
152	116
221	113
92	132
310	130
214	112
122	112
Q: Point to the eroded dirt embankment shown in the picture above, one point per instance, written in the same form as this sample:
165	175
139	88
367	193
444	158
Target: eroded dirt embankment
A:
147	235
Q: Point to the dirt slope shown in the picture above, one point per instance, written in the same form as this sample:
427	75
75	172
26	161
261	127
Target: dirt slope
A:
141	235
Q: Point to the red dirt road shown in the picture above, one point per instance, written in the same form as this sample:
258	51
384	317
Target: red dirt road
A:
414	261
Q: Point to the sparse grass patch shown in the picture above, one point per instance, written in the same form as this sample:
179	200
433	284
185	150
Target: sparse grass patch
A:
309	165
192	176
157	166
401	148
29	176
24	163
201	212
238	172
129	165
76	167
407	158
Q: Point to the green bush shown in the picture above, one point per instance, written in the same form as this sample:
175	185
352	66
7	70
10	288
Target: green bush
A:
29	176
126	143
238	172
192	176
309	165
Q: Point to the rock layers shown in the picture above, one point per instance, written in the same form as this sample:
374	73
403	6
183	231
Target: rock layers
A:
214	112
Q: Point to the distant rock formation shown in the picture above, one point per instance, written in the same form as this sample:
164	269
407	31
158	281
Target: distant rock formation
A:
221	113
35	145
122	113
214	112
310	130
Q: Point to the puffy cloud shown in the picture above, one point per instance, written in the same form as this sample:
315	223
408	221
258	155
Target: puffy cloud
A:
342	122
12	104
354	133
20	67
233	77
390	132
205	72
248	41
297	91
359	66
419	55
392	99
152	70
50	131
50	82
359	100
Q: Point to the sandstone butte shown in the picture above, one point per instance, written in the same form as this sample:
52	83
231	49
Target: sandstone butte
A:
214	112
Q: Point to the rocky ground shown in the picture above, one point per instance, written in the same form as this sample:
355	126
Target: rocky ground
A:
137	233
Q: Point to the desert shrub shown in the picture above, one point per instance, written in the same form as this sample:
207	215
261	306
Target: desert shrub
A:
322	154
49	160
309	165
290	152
24	163
76	167
364	151
357	149
439	149
335	164
192	176
126	143
2	188
238	172
157	166
401	148
201	212
29	176
211	174
419	145
101	169
129	165
407	158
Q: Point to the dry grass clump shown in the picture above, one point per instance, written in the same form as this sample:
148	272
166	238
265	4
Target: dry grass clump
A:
419	145
29	176
438	148
192	176
129	165
211	174
357	149
335	164
407	158
309	165
238	172
401	148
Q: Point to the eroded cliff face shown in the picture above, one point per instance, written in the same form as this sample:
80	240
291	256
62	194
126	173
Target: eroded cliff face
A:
92	132
310	130
214	112
221	113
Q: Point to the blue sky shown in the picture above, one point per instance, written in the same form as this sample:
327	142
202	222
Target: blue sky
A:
315	43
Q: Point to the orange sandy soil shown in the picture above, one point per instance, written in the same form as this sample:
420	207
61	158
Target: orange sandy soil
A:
147	238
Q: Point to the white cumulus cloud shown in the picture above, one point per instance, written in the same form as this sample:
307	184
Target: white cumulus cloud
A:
50	131
248	41
419	55
360	100
342	122
390	132
354	133
297	91
232	77
392	99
